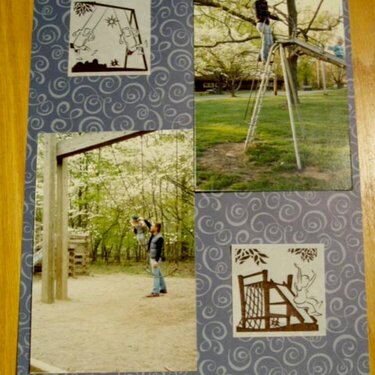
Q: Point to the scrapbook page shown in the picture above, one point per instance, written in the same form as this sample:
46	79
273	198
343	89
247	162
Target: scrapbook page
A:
192	198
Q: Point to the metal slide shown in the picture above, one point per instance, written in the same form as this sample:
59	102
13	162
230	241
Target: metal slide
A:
314	51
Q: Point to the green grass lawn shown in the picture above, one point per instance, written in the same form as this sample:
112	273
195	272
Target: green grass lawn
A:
269	163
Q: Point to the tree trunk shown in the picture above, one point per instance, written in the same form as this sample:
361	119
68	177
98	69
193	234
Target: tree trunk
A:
275	86
293	64
292	28
94	249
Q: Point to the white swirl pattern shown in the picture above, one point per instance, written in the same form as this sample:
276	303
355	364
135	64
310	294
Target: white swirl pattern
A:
327	218
58	103
331	218
165	100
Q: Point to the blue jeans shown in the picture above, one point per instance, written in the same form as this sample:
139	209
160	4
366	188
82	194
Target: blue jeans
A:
267	39
159	282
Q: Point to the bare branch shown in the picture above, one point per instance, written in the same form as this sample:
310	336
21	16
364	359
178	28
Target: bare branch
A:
331	26
235	13
226	42
314	16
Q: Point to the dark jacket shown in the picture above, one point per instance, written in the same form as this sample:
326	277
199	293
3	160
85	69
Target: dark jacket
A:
155	246
262	13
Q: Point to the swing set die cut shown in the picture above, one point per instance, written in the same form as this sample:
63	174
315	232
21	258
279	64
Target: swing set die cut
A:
109	37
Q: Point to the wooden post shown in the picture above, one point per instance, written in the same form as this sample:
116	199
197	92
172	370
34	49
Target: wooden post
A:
290	106
275	79
267	307
242	300
49	200
62	261
289	285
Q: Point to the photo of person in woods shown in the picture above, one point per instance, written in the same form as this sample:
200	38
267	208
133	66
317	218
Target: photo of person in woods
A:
128	233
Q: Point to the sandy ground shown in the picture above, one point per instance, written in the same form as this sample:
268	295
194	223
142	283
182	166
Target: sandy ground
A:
108	325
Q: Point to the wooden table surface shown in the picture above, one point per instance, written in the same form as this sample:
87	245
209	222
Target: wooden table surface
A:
15	42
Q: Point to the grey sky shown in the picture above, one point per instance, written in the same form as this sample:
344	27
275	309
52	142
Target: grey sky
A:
333	6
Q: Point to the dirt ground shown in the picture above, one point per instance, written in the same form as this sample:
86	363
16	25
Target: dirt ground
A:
230	157
108	325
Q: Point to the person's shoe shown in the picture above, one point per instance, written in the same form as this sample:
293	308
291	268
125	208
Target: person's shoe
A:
163	291
153	295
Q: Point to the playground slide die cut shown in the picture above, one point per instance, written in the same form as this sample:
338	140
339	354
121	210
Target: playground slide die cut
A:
278	290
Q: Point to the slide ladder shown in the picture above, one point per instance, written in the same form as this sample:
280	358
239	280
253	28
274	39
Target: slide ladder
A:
281	45
260	96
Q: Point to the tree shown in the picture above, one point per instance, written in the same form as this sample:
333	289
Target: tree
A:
228	65
109	185
338	75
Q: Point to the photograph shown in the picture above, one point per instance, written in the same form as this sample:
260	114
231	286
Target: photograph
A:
113	259
271	94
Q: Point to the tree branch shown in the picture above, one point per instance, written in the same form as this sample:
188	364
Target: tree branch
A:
235	13
226	42
314	16
329	27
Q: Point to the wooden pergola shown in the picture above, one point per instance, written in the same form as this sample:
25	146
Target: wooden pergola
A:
55	204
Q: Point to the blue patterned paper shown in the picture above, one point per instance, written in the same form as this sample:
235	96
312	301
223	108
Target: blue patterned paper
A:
331	218
58	103
165	100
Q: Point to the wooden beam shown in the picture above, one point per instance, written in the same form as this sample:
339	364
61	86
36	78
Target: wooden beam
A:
62	231
92	141
49	196
107	5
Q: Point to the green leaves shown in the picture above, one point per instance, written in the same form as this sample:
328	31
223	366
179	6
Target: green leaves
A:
306	254
243	255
